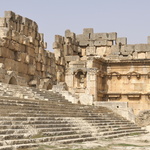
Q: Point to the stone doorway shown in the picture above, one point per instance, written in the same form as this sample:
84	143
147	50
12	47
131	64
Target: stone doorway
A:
13	81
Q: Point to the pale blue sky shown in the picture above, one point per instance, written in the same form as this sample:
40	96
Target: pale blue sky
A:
129	18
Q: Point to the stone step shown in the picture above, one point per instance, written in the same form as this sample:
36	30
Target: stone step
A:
53	119
6	148
31	145
56	133
123	134
78	140
122	131
46	139
48	114
55	122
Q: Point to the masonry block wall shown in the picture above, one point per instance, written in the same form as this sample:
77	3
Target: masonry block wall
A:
94	66
22	51
103	67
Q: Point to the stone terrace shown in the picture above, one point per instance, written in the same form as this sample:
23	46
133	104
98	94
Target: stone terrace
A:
27	122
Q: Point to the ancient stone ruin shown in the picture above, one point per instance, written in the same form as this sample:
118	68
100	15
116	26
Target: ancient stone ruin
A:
95	69
24	60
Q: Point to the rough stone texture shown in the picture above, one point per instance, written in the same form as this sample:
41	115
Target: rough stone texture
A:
93	66
143	118
22	50
103	67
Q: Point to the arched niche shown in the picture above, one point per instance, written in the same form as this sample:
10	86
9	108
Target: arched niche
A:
80	79
12	81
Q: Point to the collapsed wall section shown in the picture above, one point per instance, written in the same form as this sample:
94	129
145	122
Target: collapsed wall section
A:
22	51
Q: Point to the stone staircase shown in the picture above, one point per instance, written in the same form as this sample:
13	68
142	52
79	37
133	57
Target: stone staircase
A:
27	123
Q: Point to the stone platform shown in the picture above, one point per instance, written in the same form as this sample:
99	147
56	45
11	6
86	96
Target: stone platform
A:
47	117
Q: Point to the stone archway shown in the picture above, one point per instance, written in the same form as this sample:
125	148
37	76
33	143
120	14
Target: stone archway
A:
12	81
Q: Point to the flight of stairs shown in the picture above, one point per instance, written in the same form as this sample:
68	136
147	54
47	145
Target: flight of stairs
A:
27	123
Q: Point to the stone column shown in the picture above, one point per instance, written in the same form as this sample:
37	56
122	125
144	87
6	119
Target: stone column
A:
92	82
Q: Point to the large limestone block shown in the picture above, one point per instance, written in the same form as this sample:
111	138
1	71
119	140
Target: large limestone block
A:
31	69
2	60
36	42
69	34
88	30
14	46
88	33
2	22
115	48
18	18
48	62
148	55
127	49
57	52
18	56
45	45
36	50
103	42
106	36
22	68
67	40
23	57
27	59
5	32
124	57
11	25
72	58
56	45
112	36
90	51
121	41
135	55
44	68
30	51
6	53
31	39
26	41
10	14
15	35
101	51
10	64
142	47
141	55
27	22
41	50
59	39
83	43
32	60
38	66
42	37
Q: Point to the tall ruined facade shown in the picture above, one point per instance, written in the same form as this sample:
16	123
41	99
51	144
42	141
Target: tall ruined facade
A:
100	67
23	58
95	67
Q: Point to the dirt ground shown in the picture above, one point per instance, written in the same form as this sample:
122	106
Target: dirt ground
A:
136	142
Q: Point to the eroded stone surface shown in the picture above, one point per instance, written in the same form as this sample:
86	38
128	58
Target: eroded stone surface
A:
94	67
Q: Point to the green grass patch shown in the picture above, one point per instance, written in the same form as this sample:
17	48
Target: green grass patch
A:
38	135
127	145
132	134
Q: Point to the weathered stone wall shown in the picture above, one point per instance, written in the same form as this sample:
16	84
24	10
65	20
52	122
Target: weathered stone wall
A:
94	66
102	67
22	51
